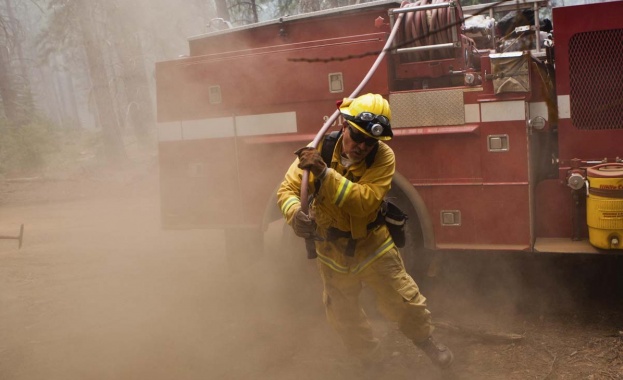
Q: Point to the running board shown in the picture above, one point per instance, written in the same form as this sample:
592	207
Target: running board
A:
566	245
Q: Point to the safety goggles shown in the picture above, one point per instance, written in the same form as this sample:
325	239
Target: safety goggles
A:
368	117
359	137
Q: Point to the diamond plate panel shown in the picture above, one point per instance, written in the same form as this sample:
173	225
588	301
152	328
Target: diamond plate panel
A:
427	108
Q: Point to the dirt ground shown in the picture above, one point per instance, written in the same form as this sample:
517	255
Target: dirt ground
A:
99	291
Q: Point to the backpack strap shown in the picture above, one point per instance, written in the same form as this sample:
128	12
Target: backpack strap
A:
328	146
370	157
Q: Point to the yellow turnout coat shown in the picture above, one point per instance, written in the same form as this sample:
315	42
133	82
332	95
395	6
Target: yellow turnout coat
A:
348	199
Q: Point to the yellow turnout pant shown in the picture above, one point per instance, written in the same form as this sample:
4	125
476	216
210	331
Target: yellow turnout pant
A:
397	296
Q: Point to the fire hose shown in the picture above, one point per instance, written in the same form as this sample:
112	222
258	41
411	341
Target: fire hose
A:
421	26
310	244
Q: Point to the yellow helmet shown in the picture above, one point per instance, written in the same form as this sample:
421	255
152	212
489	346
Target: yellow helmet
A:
369	114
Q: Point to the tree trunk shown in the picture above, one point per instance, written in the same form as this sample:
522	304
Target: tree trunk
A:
139	110
7	91
26	94
114	149
222	10
306	6
254	9
140	104
65	95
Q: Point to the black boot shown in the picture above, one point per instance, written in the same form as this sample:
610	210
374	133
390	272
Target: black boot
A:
438	353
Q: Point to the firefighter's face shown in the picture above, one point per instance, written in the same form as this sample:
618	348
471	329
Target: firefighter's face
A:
356	145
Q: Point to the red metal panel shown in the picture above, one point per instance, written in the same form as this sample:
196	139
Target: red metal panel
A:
588	145
576	19
265	82
293	30
438	158
510	166
455	171
490	215
569	23
594	65
554	210
461	157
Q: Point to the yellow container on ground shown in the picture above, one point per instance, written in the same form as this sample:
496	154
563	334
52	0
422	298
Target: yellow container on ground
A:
604	206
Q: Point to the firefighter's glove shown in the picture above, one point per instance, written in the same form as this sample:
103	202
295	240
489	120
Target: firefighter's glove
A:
303	225
310	158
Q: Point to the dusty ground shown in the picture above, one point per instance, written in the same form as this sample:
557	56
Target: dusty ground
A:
99	291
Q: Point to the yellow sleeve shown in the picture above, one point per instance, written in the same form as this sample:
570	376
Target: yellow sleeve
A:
288	194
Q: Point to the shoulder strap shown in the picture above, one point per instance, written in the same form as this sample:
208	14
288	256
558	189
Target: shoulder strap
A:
328	146
370	157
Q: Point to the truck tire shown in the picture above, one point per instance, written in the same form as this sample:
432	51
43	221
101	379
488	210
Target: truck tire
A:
416	258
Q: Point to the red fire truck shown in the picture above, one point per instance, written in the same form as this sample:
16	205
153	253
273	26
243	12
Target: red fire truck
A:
508	136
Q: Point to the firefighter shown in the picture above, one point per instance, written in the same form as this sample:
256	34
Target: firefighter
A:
353	244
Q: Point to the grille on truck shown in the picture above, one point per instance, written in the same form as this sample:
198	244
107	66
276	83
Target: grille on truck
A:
596	83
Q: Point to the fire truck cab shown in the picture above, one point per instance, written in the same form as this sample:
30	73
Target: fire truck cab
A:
507	134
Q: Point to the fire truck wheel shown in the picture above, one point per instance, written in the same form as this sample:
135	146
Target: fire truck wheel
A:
416	258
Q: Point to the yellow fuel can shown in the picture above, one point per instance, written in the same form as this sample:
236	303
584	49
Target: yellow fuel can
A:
604	205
